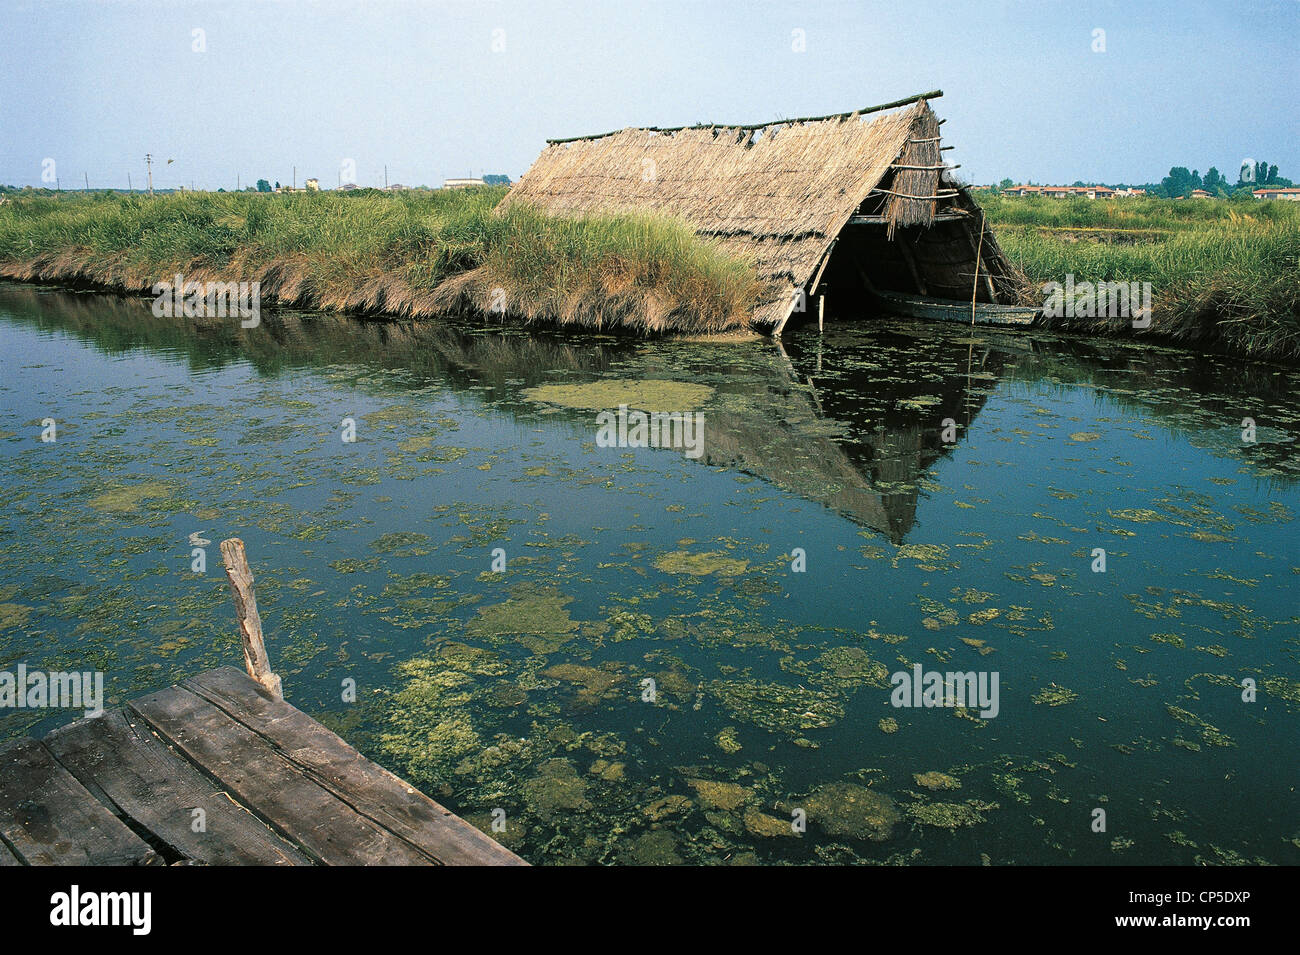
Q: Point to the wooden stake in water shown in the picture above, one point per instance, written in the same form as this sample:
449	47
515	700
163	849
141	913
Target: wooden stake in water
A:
821	307
250	624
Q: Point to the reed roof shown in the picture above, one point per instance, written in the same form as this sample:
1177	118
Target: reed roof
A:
777	193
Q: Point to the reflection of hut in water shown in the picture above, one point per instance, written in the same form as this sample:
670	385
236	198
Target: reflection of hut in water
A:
763	421
864	463
864	194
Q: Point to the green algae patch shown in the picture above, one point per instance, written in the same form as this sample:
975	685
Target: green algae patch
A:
766	827
847	809
851	666
533	616
1053	695
936	781
593	684
643	395
945	815
727	741
13	616
888	726
657	847
557	788
128	498
429	729
700	564
776	707
667	808
719	795
401	544
1279	686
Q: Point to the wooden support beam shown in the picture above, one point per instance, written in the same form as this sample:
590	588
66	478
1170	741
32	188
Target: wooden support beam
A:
250	623
988	279
955	216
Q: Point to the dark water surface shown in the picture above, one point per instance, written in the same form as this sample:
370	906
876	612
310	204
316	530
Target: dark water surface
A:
523	690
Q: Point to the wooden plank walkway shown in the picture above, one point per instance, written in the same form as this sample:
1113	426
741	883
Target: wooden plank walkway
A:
274	788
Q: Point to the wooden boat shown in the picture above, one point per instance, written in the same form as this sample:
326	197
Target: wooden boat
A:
950	310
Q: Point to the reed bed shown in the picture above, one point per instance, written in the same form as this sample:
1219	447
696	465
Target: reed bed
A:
1224	274
406	254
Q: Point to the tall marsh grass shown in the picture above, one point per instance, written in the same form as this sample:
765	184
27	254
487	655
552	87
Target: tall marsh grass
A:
414	253
1225	274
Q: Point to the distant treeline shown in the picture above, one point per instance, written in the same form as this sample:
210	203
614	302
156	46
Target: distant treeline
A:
1181	181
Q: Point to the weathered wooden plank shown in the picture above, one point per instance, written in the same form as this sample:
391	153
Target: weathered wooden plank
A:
372	790
124	763
51	819
7	857
270	784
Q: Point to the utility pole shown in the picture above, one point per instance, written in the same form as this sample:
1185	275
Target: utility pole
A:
129	187
86	175
236	182
148	161
295	178
385	175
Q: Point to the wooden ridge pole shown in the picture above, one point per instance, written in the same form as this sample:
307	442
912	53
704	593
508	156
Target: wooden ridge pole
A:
250	623
905	101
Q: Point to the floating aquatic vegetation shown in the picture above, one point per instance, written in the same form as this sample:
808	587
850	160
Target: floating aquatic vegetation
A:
847	809
1282	687
638	394
760	824
935	780
557	788
719	795
1211	735
401	544
945	815
428	728
846	667
667	807
888	725
594	684
1053	695
533	616
657	847
700	564
727	740
128	498
775	707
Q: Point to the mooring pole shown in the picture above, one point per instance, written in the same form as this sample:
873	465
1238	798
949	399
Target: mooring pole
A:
821	308
250	623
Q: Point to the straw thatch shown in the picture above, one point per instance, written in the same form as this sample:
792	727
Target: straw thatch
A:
778	194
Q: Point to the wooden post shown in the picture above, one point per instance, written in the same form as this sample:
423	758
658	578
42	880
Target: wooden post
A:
250	624
821	308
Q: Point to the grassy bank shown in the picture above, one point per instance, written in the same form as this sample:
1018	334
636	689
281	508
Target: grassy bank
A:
1225	274
404	254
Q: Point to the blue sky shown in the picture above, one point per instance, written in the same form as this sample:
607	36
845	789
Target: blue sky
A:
419	86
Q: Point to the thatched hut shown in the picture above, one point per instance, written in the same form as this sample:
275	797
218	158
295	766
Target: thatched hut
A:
864	196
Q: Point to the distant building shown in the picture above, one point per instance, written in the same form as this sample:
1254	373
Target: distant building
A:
1062	192
397	187
349	186
1291	194
313	185
462	183
1201	194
